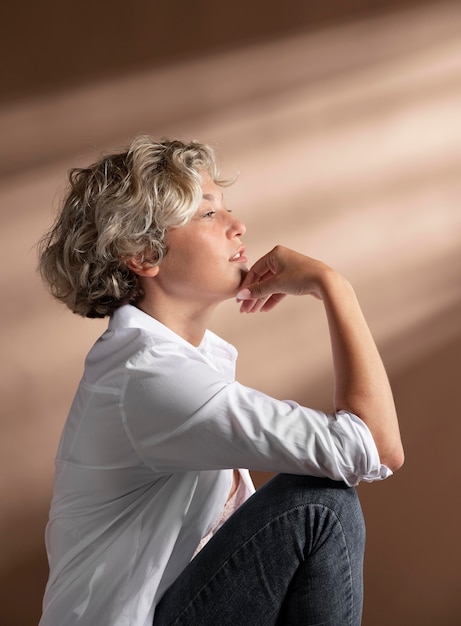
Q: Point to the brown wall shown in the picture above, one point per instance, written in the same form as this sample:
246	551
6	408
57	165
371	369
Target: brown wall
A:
56	44
343	119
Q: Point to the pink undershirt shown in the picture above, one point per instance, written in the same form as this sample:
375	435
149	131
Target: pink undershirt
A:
236	499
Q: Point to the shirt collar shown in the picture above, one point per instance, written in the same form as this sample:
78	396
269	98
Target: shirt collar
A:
212	346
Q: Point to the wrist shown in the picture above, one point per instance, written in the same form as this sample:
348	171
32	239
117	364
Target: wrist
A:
332	284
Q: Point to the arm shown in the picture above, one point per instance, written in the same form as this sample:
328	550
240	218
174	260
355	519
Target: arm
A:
361	383
180	413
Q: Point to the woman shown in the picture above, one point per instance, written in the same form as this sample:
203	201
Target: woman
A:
151	519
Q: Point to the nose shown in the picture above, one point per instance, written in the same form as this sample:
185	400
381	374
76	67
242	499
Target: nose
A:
237	227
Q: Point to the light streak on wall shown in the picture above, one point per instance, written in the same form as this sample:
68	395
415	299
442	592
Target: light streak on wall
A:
348	141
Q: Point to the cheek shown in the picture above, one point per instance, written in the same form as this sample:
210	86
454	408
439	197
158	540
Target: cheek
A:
192	255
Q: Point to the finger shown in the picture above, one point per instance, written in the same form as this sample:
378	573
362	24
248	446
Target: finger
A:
253	277
251	306
266	265
266	287
248	290
271	302
261	304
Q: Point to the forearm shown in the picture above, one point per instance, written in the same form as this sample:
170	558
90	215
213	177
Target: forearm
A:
361	383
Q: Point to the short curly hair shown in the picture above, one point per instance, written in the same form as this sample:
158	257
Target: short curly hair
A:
116	209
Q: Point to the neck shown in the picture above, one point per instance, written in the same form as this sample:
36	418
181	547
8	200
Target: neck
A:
186	320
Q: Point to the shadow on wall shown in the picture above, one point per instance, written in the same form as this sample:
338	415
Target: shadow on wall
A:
55	47
411	563
348	143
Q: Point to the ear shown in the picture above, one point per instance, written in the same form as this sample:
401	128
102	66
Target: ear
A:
142	268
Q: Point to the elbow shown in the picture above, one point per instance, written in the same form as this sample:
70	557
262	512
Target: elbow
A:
393	459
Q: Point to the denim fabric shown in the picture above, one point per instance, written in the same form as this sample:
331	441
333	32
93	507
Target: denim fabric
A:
292	554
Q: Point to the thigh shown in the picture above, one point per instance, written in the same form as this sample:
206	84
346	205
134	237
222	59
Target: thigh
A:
256	567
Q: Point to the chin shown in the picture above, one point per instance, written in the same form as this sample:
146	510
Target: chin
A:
236	288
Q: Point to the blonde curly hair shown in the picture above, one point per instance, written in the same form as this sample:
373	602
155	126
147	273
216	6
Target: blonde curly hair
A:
117	209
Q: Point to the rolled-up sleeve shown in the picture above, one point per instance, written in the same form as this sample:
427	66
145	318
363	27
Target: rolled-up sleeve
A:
352	433
180	413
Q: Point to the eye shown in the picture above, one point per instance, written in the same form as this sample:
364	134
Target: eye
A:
209	214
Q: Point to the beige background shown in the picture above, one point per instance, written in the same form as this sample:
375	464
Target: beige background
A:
344	123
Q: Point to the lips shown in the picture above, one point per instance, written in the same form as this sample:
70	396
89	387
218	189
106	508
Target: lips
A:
239	255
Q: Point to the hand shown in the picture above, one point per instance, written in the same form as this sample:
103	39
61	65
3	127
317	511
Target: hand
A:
279	273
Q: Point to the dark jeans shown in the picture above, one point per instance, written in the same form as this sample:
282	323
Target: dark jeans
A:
292	554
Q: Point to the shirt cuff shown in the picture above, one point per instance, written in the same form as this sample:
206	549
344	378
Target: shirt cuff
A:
351	433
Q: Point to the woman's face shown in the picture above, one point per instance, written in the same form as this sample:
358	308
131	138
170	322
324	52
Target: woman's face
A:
206	260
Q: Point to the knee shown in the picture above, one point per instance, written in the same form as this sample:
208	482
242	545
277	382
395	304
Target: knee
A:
335	498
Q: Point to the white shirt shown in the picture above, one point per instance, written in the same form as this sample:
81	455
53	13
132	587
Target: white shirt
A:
144	465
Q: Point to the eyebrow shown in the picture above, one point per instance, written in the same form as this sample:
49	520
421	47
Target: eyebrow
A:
211	197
